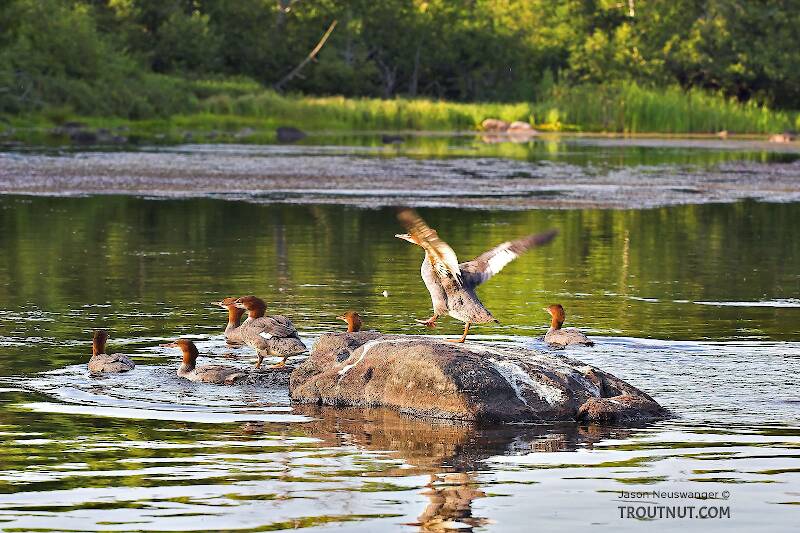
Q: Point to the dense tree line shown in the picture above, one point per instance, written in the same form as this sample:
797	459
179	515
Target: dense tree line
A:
107	55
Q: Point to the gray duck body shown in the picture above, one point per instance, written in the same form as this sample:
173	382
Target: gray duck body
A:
272	335
114	363
449	298
452	284
233	334
566	337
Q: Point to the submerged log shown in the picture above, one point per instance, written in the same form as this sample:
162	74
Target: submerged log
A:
475	382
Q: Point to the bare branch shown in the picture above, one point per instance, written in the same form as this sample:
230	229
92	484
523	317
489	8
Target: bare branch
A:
296	70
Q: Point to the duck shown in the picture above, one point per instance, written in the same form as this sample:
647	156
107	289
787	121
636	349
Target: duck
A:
270	335
558	336
218	374
353	320
452	284
103	363
233	331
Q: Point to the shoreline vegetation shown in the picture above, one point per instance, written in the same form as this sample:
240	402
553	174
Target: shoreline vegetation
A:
135	71
243	111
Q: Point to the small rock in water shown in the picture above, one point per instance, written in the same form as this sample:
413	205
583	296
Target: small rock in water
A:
287	134
494	125
392	139
784	137
244	133
83	137
519	125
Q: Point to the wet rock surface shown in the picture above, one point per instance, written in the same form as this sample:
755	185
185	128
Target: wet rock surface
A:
288	134
80	134
269	377
475	382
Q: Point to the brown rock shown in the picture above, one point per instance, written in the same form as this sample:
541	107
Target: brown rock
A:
785	137
494	125
482	383
622	408
519	125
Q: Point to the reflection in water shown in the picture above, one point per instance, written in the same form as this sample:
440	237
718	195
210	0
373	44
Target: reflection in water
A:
432	446
451	498
449	455
147	451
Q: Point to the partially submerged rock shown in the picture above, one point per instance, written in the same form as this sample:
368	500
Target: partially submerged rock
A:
494	125
500	131
519	125
392	139
288	134
473	382
785	137
79	133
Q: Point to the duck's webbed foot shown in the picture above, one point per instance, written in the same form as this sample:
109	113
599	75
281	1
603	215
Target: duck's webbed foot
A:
260	360
282	364
430	323
463	337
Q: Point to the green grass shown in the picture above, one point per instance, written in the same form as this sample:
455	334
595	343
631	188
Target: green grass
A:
621	108
629	108
339	113
240	110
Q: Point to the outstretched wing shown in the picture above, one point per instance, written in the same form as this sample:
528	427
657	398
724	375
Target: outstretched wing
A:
490	263
443	258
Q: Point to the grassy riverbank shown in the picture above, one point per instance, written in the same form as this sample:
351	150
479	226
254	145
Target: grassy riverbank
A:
242	111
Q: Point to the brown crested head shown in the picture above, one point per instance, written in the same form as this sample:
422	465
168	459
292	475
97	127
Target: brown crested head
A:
99	341
353	320
255	306
557	312
227	303
234	313
188	348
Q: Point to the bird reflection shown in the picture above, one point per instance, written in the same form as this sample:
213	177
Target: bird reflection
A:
450	508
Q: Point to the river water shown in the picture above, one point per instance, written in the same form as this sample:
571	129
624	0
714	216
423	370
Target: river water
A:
697	304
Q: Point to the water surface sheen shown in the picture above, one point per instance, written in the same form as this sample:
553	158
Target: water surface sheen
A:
697	305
